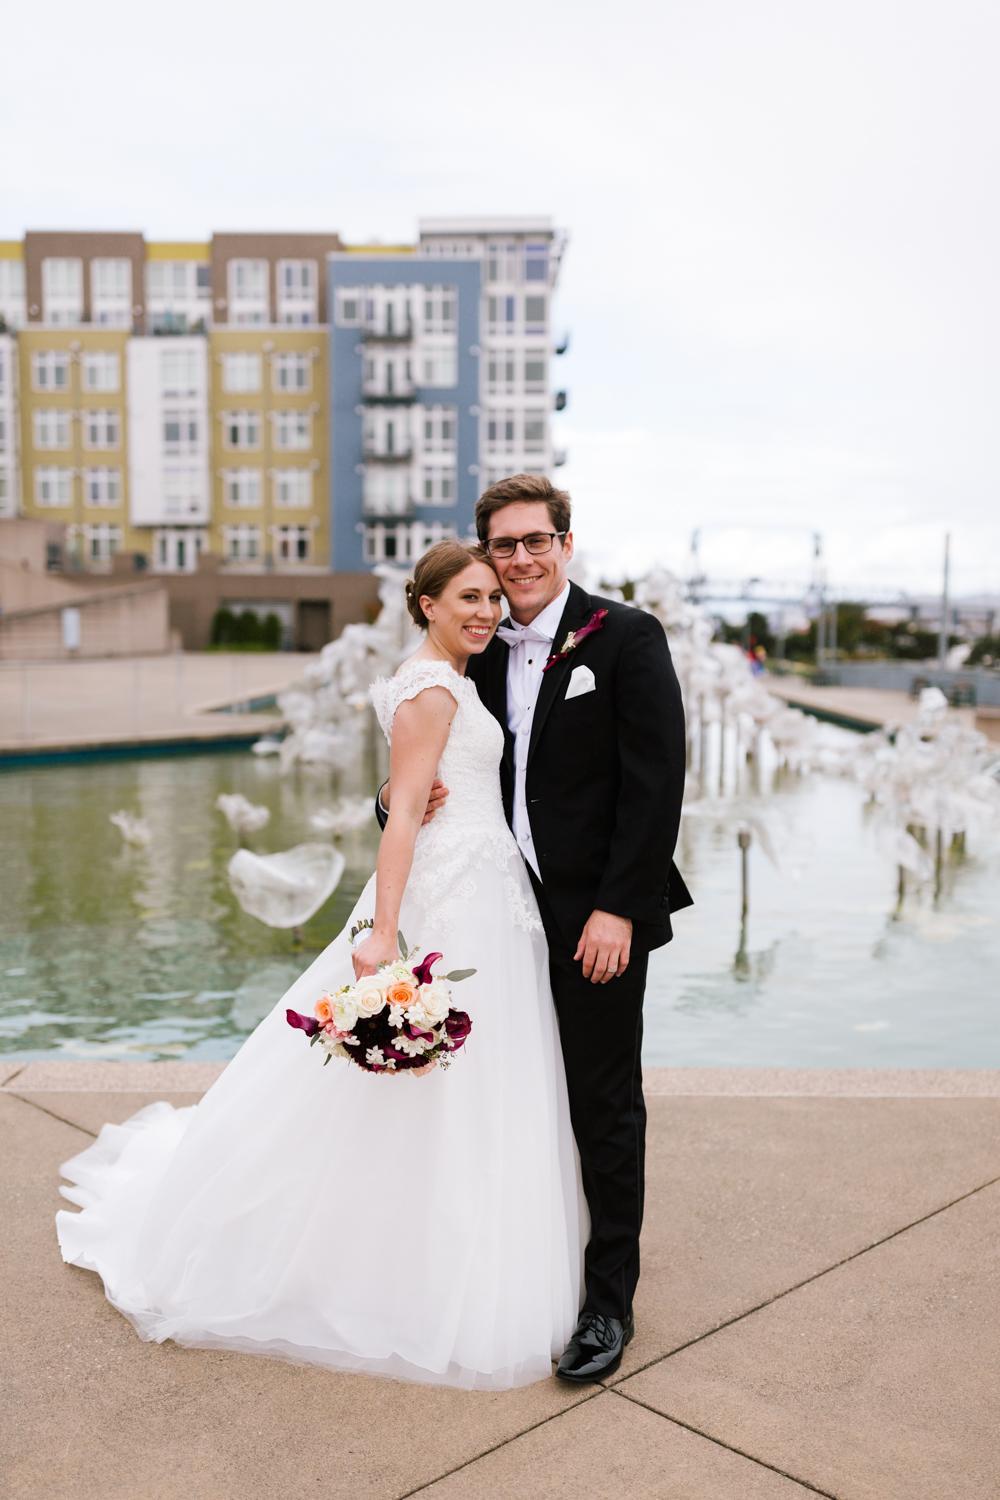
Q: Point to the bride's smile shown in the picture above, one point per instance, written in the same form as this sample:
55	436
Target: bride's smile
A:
463	618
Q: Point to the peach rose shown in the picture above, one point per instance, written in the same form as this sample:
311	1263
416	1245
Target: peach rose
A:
401	993
324	1010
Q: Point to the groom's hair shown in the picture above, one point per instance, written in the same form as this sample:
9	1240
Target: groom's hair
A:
523	489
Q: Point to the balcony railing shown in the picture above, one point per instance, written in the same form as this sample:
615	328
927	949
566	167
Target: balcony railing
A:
397	509
375	455
388	336
403	394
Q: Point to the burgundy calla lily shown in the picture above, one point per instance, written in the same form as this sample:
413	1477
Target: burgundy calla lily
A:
574	638
422	973
458	1026
308	1024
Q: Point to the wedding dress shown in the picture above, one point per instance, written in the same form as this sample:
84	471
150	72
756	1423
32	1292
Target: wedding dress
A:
430	1229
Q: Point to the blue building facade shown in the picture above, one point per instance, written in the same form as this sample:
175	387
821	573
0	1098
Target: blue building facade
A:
404	404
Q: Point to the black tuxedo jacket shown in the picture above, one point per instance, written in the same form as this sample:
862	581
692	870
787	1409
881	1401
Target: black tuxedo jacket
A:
605	773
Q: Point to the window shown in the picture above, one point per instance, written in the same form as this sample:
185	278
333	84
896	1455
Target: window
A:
534	310
241	429
180	371
350	309
102	542
534	431
241	371
440	428
440	368
12	292
102	429
62	291
3	433
242	543
536	263
293	489
52	428
111	292
183	494
291	372
242	488
6	494
101	371
439	487
297	301
294	543
508	309
292	429
181	431
53	486
248	291
178	549
534	373
102	486
50	370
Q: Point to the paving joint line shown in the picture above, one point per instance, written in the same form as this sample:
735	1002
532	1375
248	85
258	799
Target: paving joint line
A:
798	1285
52	1114
813	1489
505	1442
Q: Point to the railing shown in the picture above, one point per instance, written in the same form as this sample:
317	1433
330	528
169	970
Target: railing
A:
371	336
380	456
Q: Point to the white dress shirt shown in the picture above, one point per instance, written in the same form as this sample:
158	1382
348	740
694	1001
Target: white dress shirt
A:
530	648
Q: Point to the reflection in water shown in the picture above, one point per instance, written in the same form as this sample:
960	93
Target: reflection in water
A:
116	951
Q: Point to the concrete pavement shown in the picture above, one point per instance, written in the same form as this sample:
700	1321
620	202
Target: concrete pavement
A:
816	1316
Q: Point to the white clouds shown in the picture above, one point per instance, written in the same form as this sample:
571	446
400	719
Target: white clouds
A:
782	277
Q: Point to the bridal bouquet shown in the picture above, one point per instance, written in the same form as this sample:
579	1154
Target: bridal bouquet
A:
396	1019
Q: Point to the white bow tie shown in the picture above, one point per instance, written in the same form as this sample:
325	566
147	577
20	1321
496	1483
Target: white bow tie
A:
515	634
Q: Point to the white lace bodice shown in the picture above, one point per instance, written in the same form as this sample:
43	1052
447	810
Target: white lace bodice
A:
471	827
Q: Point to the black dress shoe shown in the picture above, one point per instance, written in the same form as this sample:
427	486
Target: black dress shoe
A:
596	1348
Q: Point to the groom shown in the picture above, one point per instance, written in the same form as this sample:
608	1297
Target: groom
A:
592	780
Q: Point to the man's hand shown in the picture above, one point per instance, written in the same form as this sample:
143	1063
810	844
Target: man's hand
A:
436	800
605	946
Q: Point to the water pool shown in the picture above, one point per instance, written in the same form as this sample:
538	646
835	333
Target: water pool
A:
143	953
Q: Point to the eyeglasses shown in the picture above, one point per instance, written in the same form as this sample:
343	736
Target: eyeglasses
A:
537	543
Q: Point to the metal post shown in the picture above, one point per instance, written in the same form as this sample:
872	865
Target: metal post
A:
179	682
137	696
943	632
743	839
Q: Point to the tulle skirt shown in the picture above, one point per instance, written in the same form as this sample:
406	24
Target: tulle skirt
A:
430	1229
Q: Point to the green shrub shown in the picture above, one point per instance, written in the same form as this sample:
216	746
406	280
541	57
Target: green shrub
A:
223	627
270	632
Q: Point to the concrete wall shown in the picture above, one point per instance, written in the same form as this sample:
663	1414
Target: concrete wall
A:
892	676
128	621
352	598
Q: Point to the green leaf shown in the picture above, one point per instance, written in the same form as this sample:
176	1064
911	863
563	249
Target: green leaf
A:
404	950
457	974
327	1058
315	1038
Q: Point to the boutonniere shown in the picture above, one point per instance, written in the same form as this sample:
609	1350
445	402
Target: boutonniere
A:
574	637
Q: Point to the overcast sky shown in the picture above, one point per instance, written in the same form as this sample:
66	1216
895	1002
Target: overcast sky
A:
781	281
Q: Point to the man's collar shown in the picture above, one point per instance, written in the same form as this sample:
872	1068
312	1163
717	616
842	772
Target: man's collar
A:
547	621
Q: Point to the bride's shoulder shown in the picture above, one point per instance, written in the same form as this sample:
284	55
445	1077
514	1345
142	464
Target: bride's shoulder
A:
414	677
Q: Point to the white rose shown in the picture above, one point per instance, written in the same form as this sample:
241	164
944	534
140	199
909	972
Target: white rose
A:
345	1012
436	1001
369	996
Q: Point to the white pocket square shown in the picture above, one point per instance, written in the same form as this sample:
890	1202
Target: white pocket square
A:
582	680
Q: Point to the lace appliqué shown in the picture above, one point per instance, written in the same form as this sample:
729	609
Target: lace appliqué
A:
523	913
470	830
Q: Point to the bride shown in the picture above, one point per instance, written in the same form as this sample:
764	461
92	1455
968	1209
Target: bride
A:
425	1227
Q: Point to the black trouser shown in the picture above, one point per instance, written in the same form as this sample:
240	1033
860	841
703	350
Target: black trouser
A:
601	1030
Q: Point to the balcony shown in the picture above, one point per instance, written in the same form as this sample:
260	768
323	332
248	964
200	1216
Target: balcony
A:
374	455
374	392
388	336
403	508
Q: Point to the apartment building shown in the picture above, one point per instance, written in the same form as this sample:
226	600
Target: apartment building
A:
519	262
172	397
440	361
281	401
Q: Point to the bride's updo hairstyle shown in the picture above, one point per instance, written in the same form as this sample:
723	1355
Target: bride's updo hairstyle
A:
436	569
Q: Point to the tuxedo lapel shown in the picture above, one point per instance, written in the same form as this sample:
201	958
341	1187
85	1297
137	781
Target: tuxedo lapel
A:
577	612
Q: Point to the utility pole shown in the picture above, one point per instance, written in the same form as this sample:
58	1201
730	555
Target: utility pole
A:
943	633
